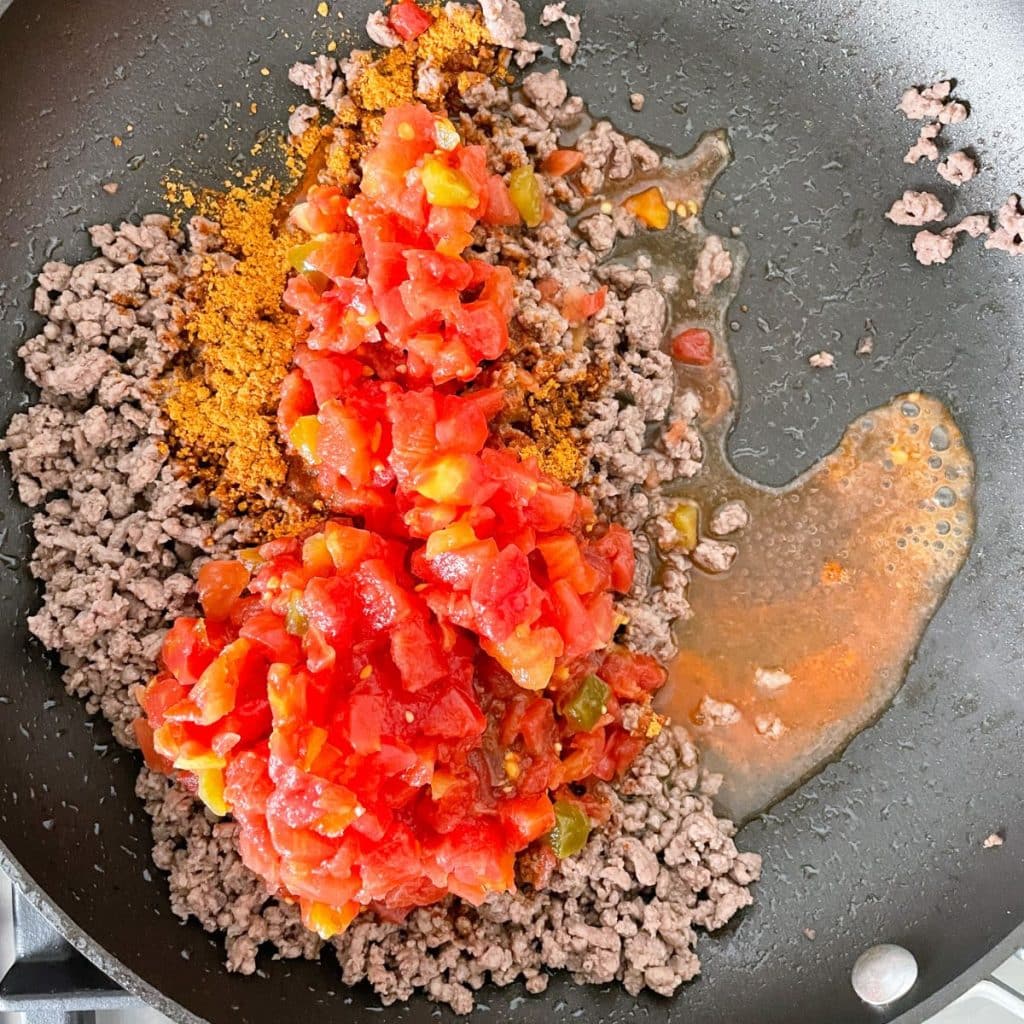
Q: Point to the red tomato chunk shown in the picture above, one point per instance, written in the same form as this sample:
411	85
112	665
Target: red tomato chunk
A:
346	713
694	346
409	20
391	705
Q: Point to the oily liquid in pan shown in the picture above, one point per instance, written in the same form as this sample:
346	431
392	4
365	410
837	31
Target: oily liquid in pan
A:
838	573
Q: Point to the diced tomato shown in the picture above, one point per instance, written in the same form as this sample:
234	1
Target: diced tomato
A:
385	703
347	545
527	818
560	162
324	211
328	375
451	229
631	676
434	283
215	692
528	655
463	424
565	561
500	208
409	20
453	715
187	650
504	595
453	478
537	727
266	629
418	653
573	620
144	737
220	583
551	506
578	305
694	346
297	400
336	255
616	545
345	442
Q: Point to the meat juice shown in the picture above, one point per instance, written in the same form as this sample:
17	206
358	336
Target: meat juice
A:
810	633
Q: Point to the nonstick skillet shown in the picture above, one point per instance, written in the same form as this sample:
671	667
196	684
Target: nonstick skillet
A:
886	843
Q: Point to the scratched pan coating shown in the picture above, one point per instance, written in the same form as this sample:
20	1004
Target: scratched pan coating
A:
885	844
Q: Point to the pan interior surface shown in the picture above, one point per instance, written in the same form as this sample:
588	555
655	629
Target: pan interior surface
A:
885	845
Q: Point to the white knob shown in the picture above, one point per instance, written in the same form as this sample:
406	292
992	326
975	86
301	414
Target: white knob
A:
883	973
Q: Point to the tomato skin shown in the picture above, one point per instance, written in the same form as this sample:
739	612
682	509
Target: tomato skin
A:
695	347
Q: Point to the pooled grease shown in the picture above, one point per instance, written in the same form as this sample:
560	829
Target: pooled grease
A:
837	577
839	572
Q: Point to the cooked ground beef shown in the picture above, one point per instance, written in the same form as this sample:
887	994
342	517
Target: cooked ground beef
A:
769	726
918	104
931	248
916	208
118	535
730	517
1009	235
714	556
568	44
975	225
115	529
627	908
933	101
925	147
507	25
714	265
958	167
718	712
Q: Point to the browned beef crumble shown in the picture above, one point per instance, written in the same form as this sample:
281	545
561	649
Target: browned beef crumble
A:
118	535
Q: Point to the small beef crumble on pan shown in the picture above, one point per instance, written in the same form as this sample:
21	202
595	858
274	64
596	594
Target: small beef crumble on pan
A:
120	534
914	209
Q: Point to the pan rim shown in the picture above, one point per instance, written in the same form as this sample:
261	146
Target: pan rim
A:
955	984
136	985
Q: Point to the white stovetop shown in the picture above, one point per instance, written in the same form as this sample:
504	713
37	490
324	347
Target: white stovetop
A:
999	1000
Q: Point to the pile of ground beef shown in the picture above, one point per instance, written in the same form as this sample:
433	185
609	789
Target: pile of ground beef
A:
116	531
625	909
119	534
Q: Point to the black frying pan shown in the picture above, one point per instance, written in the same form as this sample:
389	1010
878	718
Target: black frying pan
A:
885	844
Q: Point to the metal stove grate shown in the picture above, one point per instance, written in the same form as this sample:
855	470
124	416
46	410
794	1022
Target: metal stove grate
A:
49	981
